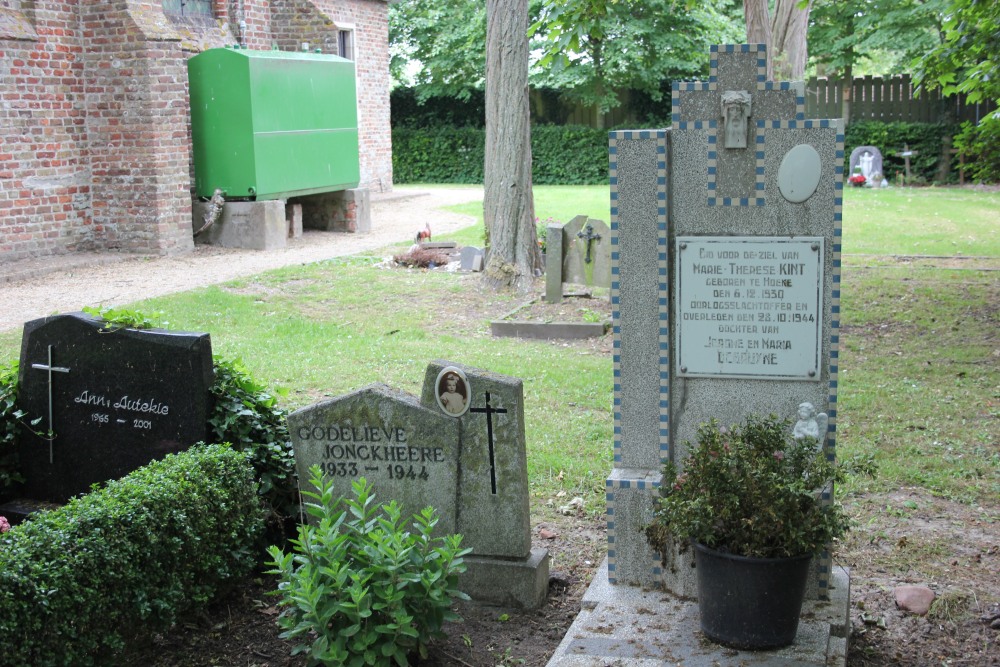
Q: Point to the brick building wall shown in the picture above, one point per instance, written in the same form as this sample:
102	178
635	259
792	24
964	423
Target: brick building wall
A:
95	149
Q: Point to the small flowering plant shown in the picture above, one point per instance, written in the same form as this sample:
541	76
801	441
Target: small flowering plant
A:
751	490
857	180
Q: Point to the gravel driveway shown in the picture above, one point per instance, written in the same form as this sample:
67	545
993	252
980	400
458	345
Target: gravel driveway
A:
35	288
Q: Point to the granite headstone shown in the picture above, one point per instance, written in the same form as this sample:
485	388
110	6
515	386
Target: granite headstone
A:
868	160
726	283
577	252
112	400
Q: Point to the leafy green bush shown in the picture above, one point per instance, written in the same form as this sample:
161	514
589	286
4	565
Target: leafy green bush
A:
925	139
752	490
246	415
979	145
359	588
11	422
127	559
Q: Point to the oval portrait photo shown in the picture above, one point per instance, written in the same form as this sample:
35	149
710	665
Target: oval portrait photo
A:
453	391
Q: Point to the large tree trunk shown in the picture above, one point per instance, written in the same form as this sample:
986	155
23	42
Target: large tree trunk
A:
508	208
784	34
788	33
759	27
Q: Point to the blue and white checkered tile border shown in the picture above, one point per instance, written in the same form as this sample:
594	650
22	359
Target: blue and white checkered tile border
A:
611	487
663	273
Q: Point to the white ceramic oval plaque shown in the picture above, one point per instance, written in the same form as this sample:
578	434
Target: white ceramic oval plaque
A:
799	173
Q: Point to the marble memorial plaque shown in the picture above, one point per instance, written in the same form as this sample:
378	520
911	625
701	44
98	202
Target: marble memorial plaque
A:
749	306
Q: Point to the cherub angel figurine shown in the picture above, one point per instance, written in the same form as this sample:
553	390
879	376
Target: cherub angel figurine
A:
810	424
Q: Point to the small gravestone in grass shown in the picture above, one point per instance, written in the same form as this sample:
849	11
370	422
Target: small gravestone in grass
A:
577	252
105	401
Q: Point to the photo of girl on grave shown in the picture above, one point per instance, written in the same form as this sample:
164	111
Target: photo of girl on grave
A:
453	391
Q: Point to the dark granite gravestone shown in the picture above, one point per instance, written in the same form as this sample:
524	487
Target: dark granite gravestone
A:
113	400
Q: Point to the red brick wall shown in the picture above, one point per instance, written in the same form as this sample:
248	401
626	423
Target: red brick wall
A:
44	174
317	22
94	128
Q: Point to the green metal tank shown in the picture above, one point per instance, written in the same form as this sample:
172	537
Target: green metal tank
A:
273	124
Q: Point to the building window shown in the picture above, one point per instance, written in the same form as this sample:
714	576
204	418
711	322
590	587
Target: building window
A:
345	44
188	7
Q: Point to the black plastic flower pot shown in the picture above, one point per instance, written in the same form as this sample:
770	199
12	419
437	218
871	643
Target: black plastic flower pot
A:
750	603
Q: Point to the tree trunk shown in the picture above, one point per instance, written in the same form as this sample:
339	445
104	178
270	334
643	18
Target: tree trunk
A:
508	207
788	34
784	34
759	28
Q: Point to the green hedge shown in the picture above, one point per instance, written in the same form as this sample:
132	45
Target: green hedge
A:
560	155
575	155
128	559
926	139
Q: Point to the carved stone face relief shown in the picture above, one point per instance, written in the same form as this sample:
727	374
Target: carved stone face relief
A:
735	115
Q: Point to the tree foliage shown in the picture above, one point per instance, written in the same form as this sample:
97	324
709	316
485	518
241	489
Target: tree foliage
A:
445	39
968	58
843	33
585	48
593	47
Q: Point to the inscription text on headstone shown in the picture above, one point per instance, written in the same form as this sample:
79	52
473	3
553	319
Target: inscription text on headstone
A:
749	306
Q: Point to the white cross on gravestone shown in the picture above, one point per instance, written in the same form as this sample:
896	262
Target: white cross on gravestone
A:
50	369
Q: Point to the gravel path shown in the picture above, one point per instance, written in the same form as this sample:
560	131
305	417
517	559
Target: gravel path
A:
35	288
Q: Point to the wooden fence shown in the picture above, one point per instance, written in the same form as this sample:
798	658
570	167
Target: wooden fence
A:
888	99
872	98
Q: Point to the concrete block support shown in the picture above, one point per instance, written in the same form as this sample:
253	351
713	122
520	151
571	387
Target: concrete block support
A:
342	211
255	225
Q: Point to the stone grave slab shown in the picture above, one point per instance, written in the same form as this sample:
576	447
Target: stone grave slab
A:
493	512
408	452
869	159
114	400
471	259
578	252
587	252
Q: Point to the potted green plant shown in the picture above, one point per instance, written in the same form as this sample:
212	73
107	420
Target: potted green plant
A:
750	499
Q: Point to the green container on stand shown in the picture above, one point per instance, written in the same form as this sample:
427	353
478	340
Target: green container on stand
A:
273	124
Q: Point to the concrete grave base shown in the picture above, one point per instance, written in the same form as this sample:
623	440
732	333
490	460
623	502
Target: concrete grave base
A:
640	627
254	225
340	211
509	582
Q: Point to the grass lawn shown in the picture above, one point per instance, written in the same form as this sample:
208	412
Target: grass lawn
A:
920	371
919	388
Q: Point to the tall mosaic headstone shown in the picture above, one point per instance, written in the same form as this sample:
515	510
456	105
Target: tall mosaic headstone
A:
725	288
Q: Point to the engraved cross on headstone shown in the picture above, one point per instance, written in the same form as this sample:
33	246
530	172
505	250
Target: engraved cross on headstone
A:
489	411
737	102
50	369
589	236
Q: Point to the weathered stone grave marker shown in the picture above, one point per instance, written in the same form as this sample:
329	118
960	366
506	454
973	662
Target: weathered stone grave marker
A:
869	159
577	252
408	451
459	448
471	259
726	283
113	401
